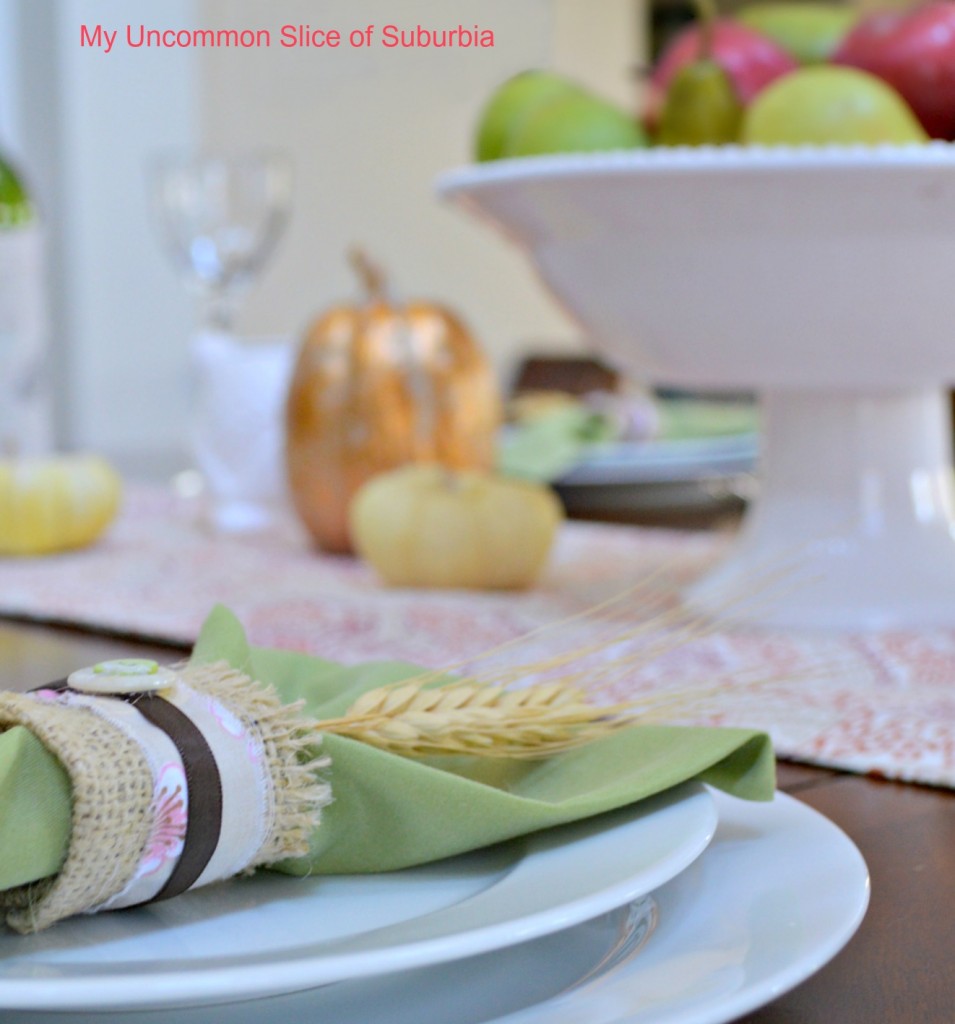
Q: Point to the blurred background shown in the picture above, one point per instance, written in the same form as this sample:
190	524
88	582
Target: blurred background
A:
367	132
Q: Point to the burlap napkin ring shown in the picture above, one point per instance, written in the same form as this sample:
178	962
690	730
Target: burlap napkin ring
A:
186	778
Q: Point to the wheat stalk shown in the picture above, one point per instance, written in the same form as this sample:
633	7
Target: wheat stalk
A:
470	717
491	717
415	719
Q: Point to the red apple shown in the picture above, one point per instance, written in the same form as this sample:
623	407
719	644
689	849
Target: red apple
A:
751	60
914	52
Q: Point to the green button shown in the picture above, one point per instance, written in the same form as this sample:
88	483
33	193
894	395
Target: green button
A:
127	667
122	676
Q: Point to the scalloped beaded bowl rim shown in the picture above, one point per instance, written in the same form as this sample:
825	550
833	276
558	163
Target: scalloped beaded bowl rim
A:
685	159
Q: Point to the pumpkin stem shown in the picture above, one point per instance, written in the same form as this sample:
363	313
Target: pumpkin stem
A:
369	273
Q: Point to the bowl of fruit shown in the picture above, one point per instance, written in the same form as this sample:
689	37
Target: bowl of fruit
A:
780	217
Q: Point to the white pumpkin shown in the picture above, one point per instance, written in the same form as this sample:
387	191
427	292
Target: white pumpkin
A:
55	503
427	526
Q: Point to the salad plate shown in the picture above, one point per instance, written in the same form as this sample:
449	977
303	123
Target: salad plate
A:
776	895
664	460
271	934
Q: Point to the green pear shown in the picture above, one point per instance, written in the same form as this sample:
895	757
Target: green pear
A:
511	104
809	32
577	122
701	107
824	105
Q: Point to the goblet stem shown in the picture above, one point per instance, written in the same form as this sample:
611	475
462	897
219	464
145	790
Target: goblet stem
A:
219	310
237	427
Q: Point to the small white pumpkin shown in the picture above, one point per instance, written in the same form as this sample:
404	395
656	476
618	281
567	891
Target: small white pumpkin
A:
427	526
55	503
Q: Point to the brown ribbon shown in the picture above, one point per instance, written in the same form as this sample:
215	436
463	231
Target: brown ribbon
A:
204	816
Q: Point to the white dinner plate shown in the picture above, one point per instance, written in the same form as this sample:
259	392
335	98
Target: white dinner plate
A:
271	934
775	896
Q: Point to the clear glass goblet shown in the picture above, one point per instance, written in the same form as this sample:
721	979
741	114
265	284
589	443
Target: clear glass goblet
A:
220	219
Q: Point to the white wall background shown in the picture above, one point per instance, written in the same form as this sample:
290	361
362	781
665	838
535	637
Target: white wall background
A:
368	133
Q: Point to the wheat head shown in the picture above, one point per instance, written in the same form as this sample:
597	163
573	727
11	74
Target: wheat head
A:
469	717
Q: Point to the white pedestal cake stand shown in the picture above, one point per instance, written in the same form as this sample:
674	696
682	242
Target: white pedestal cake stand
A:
822	279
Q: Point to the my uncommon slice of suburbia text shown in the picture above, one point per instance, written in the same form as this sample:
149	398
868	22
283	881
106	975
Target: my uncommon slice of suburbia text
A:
301	36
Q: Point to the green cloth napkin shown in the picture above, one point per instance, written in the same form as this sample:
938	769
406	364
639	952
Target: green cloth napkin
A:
388	811
34	809
548	446
689	419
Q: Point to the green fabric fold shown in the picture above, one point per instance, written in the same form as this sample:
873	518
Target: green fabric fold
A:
34	809
389	811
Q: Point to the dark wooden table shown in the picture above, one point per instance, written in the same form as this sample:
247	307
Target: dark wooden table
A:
900	966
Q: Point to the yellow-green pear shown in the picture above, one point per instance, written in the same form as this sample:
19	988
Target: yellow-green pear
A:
511	104
825	105
577	122
810	32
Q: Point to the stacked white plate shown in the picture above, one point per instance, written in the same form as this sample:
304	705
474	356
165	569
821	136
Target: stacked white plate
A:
686	475
691	908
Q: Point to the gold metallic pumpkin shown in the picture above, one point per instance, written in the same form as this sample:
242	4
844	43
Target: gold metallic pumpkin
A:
377	386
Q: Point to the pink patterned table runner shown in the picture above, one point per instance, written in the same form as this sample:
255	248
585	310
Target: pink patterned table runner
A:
881	703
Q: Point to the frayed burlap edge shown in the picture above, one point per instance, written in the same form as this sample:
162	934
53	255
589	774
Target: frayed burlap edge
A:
290	742
111	816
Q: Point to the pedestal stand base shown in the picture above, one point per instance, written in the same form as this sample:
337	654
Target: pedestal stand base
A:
854	527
